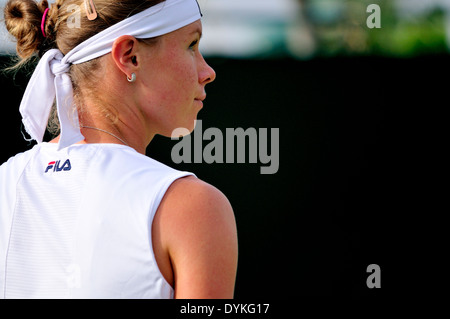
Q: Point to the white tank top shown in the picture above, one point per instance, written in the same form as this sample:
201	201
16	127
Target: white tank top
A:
76	223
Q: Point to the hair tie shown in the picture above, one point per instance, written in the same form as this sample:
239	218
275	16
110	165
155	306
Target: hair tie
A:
43	22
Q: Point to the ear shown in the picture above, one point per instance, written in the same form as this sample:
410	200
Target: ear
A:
124	54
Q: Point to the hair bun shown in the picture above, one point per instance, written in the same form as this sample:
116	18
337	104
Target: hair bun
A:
23	20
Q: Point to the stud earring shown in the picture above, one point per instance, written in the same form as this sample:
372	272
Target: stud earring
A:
133	78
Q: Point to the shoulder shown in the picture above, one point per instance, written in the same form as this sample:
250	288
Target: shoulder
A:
190	197
197	192
10	174
191	201
15	164
131	160
116	163
198	231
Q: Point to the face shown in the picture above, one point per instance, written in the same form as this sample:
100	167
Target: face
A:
173	76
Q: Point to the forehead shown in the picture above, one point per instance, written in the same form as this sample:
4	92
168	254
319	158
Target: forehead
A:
187	31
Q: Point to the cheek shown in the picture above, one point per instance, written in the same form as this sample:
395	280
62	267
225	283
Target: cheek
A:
170	86
171	71
178	85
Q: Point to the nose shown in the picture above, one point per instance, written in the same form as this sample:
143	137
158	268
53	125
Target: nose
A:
207	73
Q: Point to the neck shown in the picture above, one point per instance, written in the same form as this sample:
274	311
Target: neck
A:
106	132
112	134
98	128
118	116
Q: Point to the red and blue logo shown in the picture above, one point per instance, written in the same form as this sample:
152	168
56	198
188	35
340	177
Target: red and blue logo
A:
56	167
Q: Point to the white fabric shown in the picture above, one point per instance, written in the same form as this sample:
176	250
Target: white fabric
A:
50	77
83	232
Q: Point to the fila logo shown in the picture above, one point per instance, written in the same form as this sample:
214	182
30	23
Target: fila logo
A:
55	166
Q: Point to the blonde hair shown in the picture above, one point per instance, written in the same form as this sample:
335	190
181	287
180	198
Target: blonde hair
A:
23	20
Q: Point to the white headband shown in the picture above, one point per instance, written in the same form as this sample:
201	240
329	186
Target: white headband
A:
51	78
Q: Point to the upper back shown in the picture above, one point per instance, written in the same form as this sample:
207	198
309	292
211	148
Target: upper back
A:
77	223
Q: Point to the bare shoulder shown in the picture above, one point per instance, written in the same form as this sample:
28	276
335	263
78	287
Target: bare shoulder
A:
197	229
190	201
193	193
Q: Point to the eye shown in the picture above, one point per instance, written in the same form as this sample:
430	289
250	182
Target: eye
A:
193	44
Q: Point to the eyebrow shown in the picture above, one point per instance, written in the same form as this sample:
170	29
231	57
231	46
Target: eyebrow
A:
197	31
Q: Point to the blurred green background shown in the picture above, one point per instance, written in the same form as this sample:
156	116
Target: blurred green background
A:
354	106
324	28
307	29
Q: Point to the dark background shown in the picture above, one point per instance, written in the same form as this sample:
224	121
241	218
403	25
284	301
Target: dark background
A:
352	144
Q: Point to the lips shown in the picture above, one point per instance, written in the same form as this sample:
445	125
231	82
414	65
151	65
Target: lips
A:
201	98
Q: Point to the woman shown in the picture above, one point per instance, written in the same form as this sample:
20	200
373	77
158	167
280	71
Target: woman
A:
88	215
